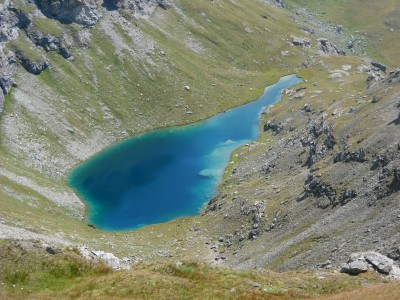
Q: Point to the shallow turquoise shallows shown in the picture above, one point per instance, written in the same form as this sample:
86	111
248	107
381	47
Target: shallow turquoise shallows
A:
168	173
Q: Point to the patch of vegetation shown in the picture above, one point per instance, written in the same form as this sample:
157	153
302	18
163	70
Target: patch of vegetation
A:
26	270
368	20
24	47
50	26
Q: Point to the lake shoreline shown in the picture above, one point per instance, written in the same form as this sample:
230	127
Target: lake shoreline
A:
213	178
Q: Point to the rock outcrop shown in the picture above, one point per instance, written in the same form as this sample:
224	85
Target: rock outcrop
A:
278	3
363	261
319	141
10	21
7	68
32	66
140	8
1	101
48	42
82	12
345	156
325	47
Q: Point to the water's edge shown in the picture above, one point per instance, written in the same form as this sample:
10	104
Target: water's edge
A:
207	165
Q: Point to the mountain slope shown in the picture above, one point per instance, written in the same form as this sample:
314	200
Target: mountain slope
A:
322	181
120	72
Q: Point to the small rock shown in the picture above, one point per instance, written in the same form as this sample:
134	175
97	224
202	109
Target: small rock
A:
163	253
379	66
301	42
52	250
352	110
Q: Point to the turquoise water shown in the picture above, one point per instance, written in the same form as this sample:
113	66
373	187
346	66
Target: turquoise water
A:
164	174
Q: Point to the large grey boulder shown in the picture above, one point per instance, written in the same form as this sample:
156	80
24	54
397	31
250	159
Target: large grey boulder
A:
360	262
380	262
355	267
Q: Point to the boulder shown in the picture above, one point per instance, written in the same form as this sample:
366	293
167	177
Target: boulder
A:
355	267
34	67
379	66
52	250
301	42
108	258
359	262
380	262
111	260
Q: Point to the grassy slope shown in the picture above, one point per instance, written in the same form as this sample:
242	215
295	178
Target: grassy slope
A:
377	21
226	52
27	271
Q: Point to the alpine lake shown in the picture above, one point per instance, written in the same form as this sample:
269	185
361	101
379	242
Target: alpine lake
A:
164	174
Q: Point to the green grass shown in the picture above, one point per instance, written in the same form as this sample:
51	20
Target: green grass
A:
50	26
26	270
371	19
23	46
140	91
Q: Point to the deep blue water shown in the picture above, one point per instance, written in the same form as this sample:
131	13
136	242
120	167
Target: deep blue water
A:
164	174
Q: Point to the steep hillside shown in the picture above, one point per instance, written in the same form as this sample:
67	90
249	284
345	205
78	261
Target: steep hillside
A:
120	72
322	181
